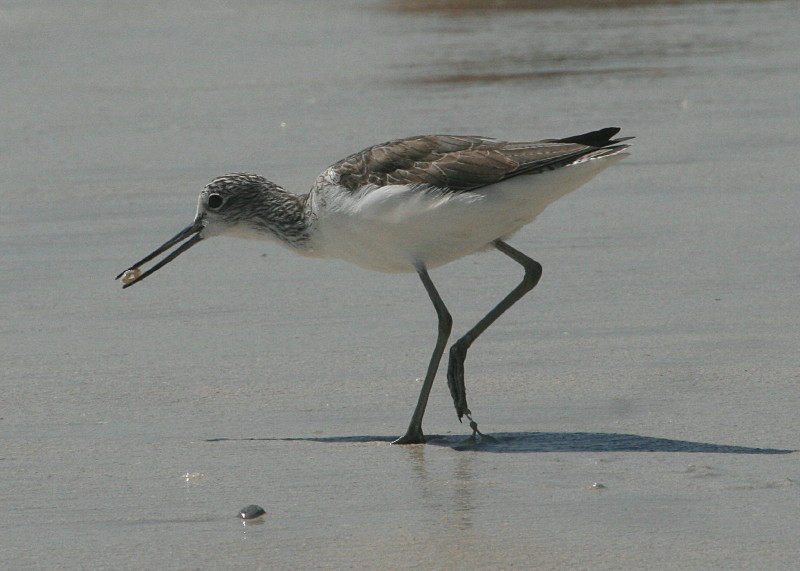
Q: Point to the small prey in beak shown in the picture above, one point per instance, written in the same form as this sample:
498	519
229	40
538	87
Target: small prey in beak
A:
134	275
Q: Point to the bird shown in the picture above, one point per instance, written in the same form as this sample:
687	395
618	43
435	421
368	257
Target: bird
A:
408	205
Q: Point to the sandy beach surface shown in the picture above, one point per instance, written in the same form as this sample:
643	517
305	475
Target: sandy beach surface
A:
644	397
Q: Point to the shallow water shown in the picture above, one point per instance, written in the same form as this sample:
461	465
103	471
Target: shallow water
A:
641	402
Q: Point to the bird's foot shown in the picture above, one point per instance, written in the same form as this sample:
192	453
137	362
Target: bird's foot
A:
412	436
474	426
477	435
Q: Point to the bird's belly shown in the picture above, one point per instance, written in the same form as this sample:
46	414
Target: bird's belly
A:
385	248
396	235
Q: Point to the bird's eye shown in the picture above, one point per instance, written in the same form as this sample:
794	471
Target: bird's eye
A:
214	201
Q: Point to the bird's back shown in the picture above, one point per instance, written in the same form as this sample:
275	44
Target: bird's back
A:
461	163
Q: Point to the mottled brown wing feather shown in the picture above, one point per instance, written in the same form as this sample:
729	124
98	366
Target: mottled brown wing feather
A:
459	163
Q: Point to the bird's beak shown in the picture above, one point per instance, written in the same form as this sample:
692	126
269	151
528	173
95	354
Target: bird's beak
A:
133	274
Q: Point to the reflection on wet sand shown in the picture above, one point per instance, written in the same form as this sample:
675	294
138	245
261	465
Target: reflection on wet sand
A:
457	6
479	48
490	77
452	499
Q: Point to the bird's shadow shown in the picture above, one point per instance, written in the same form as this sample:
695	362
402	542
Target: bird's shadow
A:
516	442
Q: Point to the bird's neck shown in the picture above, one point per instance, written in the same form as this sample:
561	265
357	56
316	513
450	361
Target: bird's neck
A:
286	218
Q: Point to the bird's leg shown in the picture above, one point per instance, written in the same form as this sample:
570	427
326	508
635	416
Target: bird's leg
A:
414	433
458	352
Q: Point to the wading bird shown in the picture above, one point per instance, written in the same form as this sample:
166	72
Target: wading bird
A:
408	205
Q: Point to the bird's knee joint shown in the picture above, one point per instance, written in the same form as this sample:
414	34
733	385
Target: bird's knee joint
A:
533	273
445	322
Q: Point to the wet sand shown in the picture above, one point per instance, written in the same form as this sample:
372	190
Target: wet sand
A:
643	397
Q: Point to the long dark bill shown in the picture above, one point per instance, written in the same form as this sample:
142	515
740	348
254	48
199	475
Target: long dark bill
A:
180	236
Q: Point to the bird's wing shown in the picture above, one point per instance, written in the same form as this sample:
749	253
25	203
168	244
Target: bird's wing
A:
461	163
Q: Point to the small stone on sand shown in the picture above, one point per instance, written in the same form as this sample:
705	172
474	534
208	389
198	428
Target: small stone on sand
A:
251	512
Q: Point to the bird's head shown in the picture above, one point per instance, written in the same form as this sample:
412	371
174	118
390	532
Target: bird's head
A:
237	204
234	205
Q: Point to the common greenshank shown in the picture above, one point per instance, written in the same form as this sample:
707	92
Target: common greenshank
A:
408	205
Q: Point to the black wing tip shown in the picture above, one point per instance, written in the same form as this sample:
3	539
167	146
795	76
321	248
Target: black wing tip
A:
600	138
